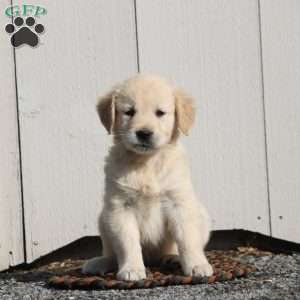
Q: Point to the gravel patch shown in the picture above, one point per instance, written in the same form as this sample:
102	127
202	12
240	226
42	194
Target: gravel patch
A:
278	277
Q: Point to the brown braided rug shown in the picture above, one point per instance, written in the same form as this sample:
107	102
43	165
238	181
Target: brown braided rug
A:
225	264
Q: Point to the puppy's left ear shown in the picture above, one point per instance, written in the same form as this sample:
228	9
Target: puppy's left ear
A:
106	110
184	111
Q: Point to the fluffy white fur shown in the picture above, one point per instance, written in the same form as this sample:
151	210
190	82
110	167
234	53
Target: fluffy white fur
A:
150	208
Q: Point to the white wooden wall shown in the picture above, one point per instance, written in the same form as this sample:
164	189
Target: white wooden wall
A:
280	22
240	60
11	226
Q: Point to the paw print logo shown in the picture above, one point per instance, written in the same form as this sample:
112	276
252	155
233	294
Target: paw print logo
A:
24	34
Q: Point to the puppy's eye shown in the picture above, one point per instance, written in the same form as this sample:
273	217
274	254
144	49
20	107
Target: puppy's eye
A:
131	112
160	113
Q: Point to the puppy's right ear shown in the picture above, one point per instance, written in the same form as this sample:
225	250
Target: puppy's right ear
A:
106	111
184	111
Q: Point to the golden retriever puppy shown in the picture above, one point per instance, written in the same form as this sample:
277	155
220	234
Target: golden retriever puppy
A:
150	208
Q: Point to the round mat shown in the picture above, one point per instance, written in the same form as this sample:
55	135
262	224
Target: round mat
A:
225	265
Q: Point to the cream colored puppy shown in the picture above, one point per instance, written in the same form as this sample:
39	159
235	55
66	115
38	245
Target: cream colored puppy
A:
150	208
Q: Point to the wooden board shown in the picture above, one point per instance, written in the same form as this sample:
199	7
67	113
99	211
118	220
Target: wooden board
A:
87	46
212	49
281	65
11	228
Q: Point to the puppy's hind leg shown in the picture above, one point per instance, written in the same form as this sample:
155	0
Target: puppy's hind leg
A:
100	265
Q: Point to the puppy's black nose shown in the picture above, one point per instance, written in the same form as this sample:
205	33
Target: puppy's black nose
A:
144	135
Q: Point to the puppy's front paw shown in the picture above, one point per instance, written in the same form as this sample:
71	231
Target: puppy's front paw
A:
204	270
131	274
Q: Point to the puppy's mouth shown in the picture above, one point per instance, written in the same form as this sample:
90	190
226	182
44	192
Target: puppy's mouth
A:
143	147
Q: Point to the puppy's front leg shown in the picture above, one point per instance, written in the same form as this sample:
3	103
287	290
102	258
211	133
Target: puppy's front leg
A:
122	227
189	224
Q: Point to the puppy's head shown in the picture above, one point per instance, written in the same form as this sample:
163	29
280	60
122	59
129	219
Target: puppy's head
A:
145	113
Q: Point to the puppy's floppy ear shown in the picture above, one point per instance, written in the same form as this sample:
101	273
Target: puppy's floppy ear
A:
106	110
184	111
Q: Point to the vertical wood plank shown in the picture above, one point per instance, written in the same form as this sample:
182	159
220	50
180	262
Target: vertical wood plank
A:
86	47
212	49
11	230
280	29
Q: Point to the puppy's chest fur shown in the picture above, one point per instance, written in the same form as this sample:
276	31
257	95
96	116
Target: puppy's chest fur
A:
147	180
144	189
141	183
144	196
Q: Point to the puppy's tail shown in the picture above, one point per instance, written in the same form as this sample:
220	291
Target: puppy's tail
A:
100	265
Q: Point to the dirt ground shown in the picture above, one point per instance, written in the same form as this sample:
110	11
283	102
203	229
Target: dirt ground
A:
277	276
